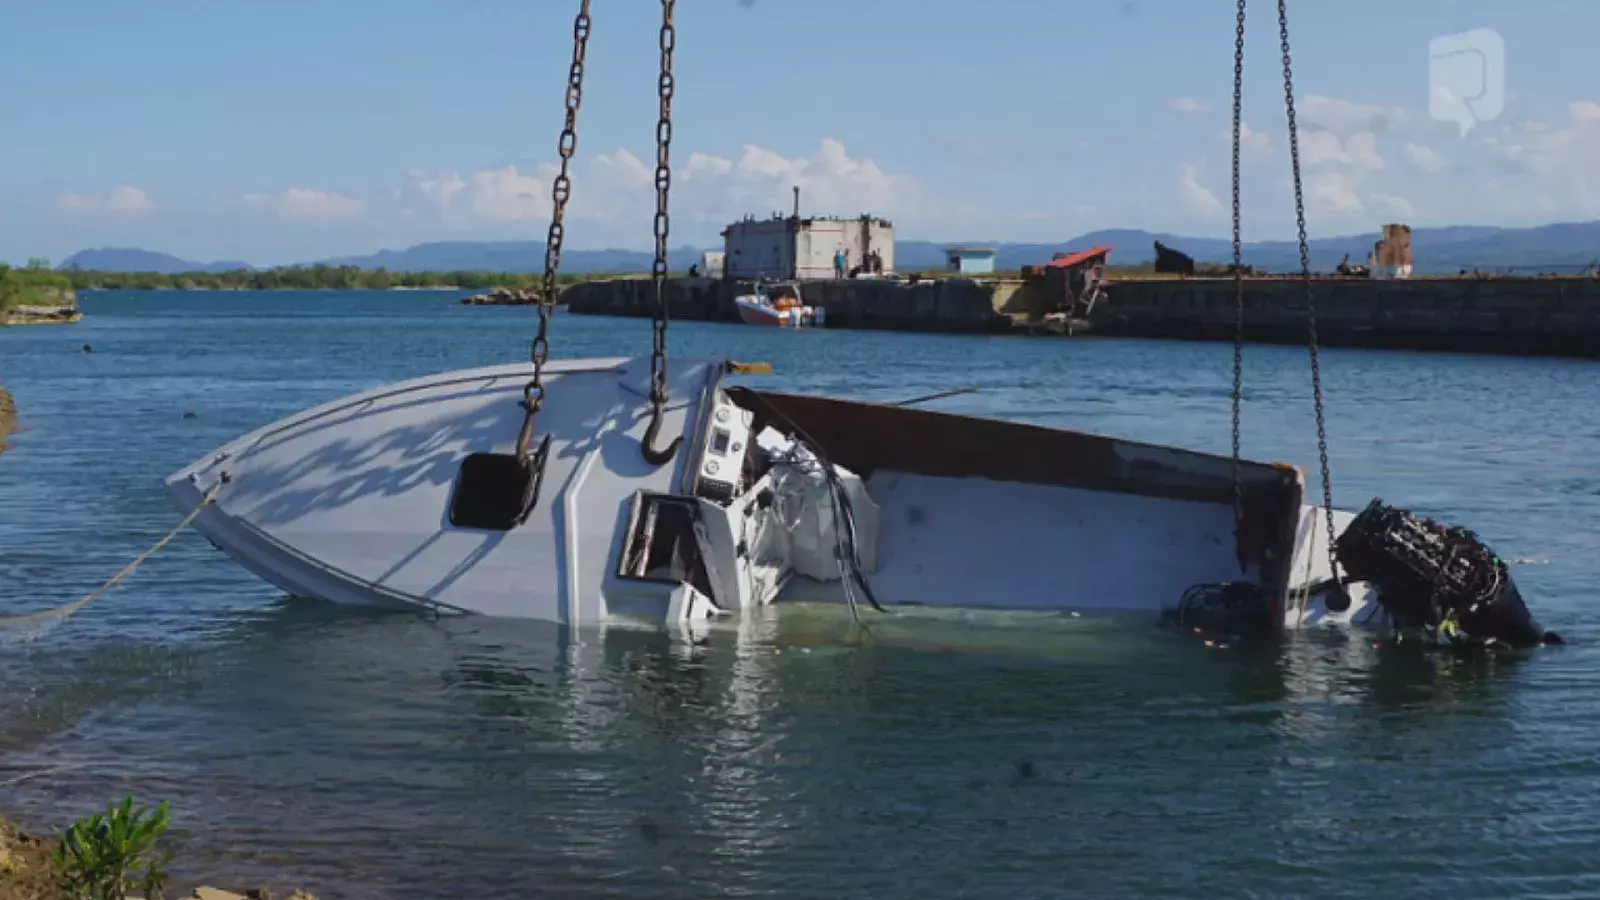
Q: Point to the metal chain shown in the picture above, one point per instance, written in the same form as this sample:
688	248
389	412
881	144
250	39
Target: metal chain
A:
1238	286
658	269
561	191
1305	276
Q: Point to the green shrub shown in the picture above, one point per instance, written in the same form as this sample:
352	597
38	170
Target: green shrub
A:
32	287
103	855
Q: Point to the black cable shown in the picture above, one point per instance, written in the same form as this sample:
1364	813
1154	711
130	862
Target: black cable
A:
835	486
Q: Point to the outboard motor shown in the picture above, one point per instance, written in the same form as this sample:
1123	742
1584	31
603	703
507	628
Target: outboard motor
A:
1432	576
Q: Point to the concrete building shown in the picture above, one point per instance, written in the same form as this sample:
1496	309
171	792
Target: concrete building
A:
794	247
970	260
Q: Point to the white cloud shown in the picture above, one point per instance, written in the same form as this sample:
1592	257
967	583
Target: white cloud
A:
510	195
307	204
1335	171
619	189
441	189
1391	205
1357	156
1549	169
1195	198
1251	141
129	199
624	170
1424	159
505	194
1188	105
831	183
125	199
1572	150
1330	197
702	166
1345	117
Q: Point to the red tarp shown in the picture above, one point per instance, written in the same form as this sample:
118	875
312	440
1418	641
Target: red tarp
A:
1077	259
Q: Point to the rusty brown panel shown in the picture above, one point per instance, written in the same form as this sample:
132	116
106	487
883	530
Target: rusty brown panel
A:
866	437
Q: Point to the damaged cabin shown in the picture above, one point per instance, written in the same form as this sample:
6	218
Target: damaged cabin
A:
1062	293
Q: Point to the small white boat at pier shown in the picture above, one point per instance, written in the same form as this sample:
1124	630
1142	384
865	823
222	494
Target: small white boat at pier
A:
779	306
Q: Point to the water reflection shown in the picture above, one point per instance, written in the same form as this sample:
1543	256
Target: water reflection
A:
404	757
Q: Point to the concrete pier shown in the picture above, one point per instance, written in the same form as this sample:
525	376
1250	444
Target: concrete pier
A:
951	305
1525	316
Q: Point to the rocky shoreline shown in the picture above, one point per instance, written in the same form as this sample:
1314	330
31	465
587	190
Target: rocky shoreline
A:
8	417
27	872
502	297
42	315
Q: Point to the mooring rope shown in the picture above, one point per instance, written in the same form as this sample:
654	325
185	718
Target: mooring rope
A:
61	612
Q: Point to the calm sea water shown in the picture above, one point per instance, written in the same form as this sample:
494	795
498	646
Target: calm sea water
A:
367	755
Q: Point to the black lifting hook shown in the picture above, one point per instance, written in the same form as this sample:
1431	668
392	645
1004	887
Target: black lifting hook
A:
651	455
533	472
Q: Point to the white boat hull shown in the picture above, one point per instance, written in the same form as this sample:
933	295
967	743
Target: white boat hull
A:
754	312
348	502
360	501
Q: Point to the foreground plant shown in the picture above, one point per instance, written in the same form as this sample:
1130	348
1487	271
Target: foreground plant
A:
103	856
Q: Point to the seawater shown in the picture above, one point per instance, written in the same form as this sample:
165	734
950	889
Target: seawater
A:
372	755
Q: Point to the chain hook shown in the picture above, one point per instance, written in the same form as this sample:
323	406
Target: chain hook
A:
658	270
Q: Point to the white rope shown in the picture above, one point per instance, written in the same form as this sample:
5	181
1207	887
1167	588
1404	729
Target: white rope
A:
61	612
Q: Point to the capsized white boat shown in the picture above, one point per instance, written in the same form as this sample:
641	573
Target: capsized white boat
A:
409	495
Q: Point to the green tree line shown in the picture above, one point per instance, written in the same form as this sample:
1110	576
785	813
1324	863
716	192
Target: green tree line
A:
33	285
318	277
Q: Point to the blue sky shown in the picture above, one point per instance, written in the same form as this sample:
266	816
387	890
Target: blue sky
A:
288	131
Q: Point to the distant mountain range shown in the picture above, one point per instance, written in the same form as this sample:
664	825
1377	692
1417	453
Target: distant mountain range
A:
128	259
511	256
1546	248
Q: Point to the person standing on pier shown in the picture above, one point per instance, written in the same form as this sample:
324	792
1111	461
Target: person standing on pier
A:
840	261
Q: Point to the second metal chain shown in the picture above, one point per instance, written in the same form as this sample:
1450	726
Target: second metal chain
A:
1311	306
1238	286
658	269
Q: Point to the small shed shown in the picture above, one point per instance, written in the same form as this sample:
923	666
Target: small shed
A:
711	264
970	260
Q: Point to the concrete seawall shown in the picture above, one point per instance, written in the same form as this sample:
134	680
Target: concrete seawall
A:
1525	316
955	305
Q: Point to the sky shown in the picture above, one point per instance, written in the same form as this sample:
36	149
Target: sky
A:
288	131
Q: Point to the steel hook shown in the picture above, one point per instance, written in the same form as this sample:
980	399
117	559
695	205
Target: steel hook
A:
651	455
